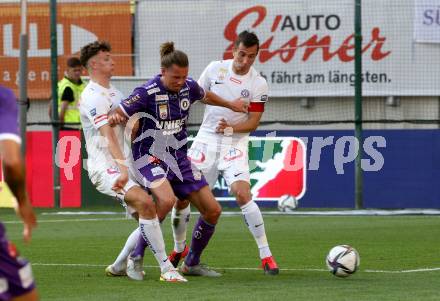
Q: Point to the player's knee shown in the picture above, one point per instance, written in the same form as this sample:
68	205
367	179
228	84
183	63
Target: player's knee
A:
146	212
181	204
213	214
243	196
166	202
145	205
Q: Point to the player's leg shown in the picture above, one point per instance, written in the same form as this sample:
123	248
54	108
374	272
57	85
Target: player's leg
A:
150	229
30	296
119	266
163	194
235	170
16	279
204	158
204	228
180	216
254	220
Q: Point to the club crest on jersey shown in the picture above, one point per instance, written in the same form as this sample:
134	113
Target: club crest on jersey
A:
184	104
232	154
263	98
222	74
163	111
245	93
196	155
162	97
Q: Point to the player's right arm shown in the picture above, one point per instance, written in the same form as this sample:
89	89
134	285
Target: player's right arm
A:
135	103
115	151
16	180
96	109
12	160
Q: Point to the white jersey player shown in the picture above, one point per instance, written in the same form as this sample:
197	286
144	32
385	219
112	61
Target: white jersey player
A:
107	165
221	145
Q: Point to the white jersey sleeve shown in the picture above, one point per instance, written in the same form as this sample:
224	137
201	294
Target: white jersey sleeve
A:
96	109
259	95
205	79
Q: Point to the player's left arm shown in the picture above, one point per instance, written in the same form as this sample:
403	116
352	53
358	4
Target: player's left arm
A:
237	105
256	110
247	126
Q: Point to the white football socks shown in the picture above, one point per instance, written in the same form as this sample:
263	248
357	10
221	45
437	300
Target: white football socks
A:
255	223
121	261
152	233
179	223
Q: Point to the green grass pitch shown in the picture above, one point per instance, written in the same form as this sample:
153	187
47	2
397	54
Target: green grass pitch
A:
69	254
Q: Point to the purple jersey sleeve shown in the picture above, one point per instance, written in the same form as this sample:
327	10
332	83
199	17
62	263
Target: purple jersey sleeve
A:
196	92
8	115
136	102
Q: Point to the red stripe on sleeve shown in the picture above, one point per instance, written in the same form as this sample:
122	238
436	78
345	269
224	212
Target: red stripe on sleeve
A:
256	107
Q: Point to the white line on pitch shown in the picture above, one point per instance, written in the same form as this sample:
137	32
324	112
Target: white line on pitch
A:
404	271
94	219
247	269
71	220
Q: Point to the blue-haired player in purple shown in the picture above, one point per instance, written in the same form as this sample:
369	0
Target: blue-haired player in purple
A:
16	280
160	153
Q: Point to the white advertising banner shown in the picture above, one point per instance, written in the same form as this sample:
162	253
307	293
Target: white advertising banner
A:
427	21
306	47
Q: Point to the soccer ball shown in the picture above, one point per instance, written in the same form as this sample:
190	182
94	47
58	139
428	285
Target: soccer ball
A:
287	203
342	261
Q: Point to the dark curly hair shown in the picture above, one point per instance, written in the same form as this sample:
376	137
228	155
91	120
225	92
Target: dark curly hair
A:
92	49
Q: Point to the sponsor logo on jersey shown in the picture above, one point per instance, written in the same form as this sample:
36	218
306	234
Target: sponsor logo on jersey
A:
151	86
184	104
171	127
93	112
197	174
162	97
154	90
234	80
163	111
132	99
245	93
157	171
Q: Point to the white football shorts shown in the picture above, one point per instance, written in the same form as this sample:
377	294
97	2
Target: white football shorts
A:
105	179
230	161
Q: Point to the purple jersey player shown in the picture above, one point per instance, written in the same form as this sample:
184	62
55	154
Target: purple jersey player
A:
16	280
160	153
